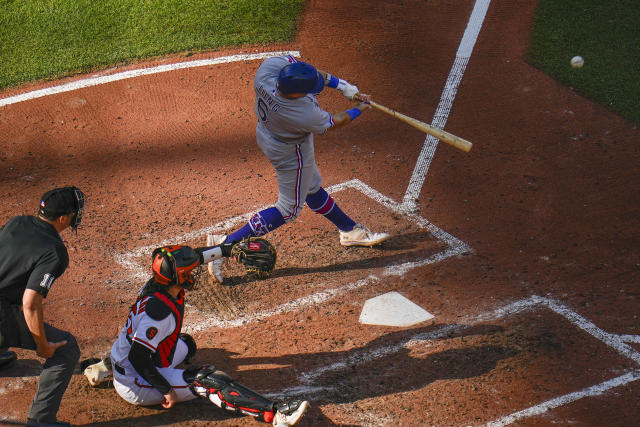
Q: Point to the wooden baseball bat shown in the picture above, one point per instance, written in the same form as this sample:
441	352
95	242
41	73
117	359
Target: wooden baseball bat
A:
449	138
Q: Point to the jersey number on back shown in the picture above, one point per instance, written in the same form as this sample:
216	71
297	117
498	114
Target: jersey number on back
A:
136	309
262	110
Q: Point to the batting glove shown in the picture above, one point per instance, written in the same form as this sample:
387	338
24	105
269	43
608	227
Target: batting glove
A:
347	89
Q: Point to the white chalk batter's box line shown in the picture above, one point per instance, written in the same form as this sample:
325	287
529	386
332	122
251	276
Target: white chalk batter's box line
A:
616	342
454	246
103	79
205	320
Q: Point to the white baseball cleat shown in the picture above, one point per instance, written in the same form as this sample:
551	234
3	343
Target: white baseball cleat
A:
289	413
361	236
215	267
99	372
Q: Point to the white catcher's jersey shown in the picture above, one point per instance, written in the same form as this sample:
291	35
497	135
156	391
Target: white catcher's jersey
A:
158	336
286	120
142	329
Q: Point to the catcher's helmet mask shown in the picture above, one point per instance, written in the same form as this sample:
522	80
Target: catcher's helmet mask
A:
300	77
176	265
77	218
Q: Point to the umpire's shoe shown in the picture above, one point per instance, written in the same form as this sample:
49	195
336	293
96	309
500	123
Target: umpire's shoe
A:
7	358
289	413
361	236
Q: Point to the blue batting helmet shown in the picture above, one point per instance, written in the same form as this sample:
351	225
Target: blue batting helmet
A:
300	77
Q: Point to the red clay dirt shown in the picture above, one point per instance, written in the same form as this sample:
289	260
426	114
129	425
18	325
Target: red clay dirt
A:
545	200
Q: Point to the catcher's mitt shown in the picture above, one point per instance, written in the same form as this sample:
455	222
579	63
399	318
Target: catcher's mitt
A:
257	255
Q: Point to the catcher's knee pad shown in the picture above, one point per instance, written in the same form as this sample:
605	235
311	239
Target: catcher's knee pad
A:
191	345
227	394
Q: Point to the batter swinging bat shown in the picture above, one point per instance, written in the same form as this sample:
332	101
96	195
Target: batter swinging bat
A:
456	141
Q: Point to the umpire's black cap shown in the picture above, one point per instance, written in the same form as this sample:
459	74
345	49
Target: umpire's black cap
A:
61	201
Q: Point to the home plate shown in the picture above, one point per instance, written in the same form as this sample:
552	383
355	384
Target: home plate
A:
392	309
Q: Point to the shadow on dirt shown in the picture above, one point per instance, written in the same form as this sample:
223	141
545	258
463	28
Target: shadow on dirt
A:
22	368
361	264
182	414
393	363
397	362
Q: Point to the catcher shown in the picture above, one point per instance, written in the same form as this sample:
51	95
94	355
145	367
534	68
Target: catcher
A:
150	346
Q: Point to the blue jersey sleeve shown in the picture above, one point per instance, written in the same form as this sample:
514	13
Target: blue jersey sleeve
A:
316	120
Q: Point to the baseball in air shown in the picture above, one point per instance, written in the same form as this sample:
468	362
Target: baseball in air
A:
577	62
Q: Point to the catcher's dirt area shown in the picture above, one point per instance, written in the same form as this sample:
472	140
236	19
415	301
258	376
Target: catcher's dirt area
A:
524	249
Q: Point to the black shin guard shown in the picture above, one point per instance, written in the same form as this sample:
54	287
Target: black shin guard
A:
227	394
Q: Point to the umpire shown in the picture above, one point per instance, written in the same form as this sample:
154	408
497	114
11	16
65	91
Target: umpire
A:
33	257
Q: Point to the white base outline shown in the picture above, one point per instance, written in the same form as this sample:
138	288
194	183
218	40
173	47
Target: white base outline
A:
205	320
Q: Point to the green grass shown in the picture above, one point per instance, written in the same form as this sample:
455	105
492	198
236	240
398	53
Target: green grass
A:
606	33
46	39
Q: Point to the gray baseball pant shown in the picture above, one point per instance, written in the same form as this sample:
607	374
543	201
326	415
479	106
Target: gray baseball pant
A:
57	370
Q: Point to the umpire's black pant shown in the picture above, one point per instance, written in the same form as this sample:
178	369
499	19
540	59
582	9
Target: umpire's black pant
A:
57	370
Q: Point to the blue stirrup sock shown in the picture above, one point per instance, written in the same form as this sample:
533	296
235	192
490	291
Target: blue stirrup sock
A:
260	224
321	202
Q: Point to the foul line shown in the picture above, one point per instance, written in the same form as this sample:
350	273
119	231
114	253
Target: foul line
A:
446	101
94	81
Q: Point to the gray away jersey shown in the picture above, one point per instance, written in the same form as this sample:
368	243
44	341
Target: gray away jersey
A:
286	120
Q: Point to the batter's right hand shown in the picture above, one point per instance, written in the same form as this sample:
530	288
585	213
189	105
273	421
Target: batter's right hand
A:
51	348
364	106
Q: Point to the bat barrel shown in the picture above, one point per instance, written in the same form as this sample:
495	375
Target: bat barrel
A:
449	138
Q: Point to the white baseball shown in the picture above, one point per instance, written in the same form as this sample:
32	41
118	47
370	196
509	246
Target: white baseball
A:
577	62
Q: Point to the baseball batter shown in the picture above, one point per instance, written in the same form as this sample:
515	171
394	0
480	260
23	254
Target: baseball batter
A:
149	347
288	116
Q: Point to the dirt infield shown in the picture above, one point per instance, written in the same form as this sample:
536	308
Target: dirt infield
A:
524	249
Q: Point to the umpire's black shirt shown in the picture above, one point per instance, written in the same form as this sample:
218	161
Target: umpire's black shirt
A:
32	256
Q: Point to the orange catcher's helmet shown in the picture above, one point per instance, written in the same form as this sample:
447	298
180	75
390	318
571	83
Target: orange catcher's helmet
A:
175	265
